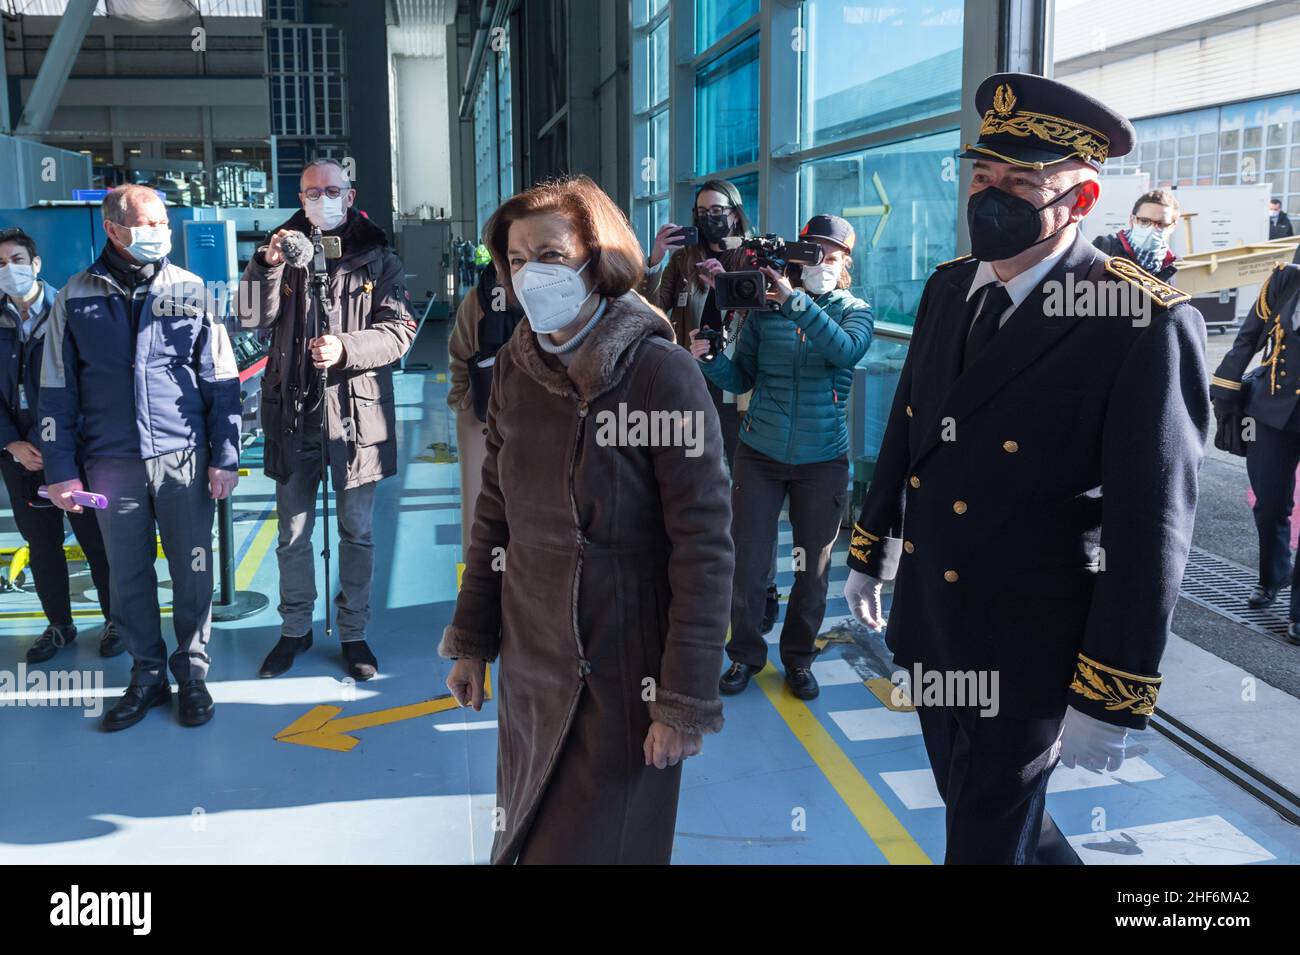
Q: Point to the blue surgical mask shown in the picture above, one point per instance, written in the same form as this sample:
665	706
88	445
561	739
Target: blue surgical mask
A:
149	243
1145	238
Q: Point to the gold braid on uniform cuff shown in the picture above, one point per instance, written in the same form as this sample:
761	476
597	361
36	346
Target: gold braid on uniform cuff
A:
860	544
1111	694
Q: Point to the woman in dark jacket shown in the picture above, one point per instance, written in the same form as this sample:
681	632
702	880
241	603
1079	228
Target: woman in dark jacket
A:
798	358
677	281
599	559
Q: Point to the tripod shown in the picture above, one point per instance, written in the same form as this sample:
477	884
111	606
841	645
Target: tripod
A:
320	293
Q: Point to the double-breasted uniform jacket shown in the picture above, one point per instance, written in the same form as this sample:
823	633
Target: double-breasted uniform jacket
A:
1037	508
1273	393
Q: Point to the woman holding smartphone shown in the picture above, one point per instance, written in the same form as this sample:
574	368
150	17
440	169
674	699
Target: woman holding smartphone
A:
679	278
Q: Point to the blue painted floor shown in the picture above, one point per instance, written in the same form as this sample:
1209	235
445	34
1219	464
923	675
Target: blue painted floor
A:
841	780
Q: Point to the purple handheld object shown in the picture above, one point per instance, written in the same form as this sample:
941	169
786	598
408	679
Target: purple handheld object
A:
84	498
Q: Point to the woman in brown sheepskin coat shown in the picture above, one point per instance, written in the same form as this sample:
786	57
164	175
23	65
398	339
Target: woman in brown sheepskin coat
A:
599	568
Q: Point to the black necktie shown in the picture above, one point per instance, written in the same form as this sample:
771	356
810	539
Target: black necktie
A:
985	325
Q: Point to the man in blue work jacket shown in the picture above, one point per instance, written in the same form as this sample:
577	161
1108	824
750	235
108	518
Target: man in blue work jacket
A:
139	383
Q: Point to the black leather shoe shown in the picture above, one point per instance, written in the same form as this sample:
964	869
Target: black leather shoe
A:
54	639
1293	633
772	608
1261	597
135	703
196	706
736	678
281	656
110	644
362	664
802	683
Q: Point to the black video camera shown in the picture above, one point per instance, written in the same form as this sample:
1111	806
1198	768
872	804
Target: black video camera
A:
748	289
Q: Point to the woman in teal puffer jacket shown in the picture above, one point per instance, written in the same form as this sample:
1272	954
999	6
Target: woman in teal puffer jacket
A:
798	358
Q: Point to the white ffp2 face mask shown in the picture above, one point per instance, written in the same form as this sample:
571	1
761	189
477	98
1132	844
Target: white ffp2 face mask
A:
16	279
551	294
325	213
819	279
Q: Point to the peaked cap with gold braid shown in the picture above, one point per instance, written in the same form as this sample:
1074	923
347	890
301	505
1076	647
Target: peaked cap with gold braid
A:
1029	120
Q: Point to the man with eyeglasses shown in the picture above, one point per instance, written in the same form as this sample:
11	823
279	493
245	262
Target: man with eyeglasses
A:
1146	240
370	328
25	301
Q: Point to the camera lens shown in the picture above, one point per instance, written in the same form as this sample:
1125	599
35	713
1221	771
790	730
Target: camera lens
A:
746	288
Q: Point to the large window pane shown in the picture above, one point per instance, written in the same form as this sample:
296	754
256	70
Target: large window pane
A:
726	109
747	186
485	152
643	11
659	63
651	61
651	165
714	19
505	128
869	67
902	202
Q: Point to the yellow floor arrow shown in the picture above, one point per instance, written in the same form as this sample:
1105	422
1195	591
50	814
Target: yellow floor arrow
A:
319	728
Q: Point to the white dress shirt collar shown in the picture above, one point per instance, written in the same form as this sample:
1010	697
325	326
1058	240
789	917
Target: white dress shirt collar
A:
1019	287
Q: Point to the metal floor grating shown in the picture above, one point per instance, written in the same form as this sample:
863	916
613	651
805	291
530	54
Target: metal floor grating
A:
1222	585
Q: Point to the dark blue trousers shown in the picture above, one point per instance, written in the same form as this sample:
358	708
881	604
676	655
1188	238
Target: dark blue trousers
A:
1271	461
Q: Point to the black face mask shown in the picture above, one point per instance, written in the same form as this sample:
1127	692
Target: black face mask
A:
1002	225
713	228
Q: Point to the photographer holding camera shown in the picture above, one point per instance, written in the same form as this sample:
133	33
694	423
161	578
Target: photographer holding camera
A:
679	279
798	356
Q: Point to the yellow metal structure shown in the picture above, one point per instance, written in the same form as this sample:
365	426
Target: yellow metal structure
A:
1222	269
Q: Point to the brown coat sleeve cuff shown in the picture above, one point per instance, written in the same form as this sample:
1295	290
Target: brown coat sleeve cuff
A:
686	713
457	643
1113	695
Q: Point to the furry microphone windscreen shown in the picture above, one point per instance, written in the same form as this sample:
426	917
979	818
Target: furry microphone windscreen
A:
297	249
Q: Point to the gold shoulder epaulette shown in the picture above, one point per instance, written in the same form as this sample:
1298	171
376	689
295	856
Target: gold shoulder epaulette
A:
1163	294
944	265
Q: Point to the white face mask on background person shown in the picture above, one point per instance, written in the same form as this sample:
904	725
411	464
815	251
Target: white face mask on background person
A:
17	279
325	213
149	243
551	294
819	279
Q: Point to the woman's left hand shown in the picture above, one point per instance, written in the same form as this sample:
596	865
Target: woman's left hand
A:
780	289
665	746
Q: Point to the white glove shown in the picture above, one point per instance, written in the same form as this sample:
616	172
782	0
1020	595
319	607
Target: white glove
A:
863	594
1091	743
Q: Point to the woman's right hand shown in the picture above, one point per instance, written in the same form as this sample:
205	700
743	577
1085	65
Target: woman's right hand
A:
708	270
667	240
699	346
466	682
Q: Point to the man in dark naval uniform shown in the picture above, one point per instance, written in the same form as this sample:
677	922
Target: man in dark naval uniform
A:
1259	417
1036	485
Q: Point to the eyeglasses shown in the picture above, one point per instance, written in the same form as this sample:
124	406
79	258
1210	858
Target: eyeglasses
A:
332	191
1151	223
712	210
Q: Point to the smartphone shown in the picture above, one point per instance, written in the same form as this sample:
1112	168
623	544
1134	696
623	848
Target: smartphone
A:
688	235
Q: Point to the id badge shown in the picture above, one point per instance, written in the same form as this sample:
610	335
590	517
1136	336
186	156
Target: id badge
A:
22	398
683	298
